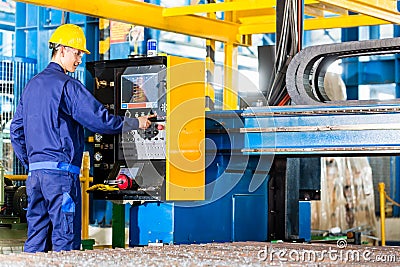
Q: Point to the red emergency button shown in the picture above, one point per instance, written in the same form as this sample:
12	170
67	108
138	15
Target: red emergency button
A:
160	127
124	182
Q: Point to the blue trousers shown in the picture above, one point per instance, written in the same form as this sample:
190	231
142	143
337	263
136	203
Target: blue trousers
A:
54	211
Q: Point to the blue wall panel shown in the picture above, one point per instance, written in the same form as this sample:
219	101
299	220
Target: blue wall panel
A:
34	26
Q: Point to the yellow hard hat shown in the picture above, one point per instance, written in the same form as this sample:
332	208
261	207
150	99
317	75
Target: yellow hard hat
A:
70	35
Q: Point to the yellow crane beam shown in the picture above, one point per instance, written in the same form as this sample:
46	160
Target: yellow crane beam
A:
342	22
380	9
148	15
217	7
314	24
315	12
329	8
248	16
224	6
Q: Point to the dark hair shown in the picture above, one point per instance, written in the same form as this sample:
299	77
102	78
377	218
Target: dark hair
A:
55	48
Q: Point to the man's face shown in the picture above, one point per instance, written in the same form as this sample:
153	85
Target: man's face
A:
71	58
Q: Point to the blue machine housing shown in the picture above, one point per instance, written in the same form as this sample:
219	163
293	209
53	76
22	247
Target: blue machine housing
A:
235	208
241	145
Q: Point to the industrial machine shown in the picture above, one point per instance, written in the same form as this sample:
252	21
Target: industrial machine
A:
13	202
256	164
236	175
175	178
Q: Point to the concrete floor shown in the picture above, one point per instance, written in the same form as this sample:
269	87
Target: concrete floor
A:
392	226
12	239
216	254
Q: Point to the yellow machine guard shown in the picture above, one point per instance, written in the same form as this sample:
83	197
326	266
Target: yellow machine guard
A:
185	160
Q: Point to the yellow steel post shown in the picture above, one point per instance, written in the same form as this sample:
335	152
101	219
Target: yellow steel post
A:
104	43
85	195
381	187
230	78
1	185
230	100
210	66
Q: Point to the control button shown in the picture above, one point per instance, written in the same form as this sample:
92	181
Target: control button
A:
104	166
124	182
98	156
160	127
98	137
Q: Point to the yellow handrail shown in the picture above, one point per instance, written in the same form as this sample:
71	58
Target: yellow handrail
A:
23	177
85	180
14	177
381	188
85	195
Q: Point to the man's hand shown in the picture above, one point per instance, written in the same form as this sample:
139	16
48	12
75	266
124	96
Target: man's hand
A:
144	122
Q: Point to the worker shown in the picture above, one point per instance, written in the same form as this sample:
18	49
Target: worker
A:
47	137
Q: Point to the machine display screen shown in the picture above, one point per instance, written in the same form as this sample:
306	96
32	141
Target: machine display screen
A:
139	91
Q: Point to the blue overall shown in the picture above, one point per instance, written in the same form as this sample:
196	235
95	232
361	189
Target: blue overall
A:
48	138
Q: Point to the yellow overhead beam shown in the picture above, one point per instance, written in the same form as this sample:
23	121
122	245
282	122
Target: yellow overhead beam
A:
381	9
312	11
342	22
148	15
258	20
327	8
316	23
216	7
225	6
254	16
252	13
259	28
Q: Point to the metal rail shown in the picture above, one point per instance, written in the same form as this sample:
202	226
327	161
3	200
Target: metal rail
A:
314	130
322	128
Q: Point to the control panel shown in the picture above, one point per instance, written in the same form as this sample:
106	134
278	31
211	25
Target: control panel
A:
133	161
165	161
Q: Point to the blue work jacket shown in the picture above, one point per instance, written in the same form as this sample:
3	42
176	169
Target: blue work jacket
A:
50	117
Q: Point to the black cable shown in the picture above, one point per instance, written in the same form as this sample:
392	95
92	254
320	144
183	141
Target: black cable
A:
286	48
